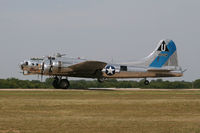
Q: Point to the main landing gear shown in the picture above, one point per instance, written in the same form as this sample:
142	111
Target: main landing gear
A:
60	83
100	80
146	82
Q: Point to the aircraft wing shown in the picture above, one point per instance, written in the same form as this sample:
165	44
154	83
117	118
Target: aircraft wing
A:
86	68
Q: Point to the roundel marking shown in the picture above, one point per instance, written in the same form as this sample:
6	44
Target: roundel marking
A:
110	70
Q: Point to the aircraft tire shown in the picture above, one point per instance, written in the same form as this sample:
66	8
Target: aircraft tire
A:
146	82
100	80
64	84
56	84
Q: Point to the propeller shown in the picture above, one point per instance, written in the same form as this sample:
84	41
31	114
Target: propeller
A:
22	67
42	71
51	64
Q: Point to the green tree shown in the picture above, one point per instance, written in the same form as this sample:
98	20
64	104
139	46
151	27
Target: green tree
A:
196	83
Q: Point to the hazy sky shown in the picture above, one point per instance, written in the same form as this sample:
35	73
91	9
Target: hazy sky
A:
121	30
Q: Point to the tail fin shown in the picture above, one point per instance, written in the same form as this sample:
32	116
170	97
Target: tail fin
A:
164	55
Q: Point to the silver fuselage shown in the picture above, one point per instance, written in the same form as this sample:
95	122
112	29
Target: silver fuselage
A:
62	66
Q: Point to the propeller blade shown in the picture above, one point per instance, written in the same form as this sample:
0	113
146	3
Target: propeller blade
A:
50	69
51	65
42	71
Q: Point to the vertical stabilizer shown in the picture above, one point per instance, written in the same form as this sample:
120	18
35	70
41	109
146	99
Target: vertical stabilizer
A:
164	55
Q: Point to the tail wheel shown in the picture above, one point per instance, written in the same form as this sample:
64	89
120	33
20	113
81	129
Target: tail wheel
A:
64	84
146	82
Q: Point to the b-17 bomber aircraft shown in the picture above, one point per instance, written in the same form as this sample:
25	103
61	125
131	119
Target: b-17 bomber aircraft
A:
162	62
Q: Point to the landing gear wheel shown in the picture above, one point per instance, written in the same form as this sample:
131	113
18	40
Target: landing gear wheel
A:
64	84
56	83
100	80
146	82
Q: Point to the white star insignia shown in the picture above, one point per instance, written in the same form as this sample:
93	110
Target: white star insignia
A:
110	70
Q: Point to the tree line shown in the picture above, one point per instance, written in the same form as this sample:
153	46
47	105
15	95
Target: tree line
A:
112	83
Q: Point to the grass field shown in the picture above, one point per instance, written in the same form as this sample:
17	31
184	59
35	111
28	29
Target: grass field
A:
99	111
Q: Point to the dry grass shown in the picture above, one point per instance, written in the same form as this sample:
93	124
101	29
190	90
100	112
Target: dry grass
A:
99	111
